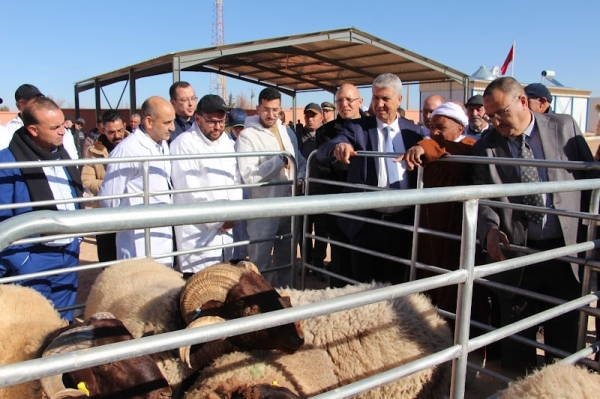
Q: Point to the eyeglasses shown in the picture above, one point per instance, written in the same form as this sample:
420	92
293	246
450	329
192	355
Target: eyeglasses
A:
214	122
187	100
346	99
504	111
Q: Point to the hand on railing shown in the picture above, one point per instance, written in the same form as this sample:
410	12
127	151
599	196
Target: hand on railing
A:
343	151
412	157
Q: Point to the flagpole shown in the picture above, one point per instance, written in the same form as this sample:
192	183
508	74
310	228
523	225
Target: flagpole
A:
512	68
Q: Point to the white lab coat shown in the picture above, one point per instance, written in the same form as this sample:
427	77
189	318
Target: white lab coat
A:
127	178
257	169
5	137
201	173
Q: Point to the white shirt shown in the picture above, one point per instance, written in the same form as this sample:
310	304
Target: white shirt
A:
254	138
5	137
126	178
202	173
58	181
398	142
69	144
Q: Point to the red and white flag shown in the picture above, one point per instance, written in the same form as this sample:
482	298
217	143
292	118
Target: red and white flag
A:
509	58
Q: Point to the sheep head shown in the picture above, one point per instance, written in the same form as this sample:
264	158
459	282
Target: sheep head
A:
138	378
230	292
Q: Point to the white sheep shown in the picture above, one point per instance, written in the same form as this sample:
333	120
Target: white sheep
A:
144	295
307	372
27	319
556	381
370	339
150	298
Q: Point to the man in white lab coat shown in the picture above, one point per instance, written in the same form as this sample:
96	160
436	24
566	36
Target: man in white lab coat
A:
149	139
205	137
264	132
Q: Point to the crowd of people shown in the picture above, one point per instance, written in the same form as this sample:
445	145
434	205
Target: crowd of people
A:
505	121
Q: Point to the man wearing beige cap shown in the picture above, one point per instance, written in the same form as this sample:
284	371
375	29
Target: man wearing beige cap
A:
328	111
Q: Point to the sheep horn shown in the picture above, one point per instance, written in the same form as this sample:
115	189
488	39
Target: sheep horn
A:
80	337
249	266
210	284
184	351
68	341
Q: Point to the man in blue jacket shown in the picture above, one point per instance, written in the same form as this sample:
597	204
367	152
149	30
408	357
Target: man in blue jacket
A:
41	138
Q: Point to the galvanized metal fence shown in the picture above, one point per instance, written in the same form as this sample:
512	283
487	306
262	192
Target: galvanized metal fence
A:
91	221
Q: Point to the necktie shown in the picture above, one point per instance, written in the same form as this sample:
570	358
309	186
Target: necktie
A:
392	168
530	174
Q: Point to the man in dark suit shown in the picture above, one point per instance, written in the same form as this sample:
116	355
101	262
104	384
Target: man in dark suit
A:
554	137
379	132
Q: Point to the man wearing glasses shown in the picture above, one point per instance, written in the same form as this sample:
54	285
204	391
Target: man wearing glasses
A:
205	137
380	132
264	132
184	100
519	133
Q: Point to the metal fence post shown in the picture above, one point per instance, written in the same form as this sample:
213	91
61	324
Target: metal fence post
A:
465	295
146	188
587	273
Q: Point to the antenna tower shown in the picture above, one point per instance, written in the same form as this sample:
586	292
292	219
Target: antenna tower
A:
217	81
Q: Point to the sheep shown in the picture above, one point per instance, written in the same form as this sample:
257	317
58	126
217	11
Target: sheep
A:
138	377
33	329
152	299
370	339
307	372
232	388
559	380
27	319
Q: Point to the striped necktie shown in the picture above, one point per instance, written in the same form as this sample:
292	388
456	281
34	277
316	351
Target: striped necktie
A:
529	174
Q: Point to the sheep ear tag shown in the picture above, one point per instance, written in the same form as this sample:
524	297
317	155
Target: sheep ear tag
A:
81	386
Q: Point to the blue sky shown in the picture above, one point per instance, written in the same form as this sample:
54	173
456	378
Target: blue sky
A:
55	44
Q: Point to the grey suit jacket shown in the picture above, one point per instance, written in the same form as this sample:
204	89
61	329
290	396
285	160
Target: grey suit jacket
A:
561	141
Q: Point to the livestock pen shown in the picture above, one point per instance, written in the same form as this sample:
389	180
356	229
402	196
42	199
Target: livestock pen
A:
91	221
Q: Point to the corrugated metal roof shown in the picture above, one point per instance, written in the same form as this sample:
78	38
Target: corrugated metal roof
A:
312	61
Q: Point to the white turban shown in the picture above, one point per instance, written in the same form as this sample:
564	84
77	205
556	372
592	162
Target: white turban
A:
452	111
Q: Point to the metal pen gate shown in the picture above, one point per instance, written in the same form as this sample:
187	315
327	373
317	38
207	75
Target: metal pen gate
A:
91	221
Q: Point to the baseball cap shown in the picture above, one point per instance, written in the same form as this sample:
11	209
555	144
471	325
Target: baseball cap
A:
327	106
475	100
538	90
237	117
211	103
313	107
81	121
27	92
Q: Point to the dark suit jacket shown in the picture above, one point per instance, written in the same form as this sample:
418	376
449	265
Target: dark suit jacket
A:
362	135
561	141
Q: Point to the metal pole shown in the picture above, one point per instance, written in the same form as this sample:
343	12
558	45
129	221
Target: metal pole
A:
587	273
417	224
465	296
146	189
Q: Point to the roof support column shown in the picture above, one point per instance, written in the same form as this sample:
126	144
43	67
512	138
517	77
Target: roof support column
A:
77	114
176	69
468	92
294	108
97	97
132	97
